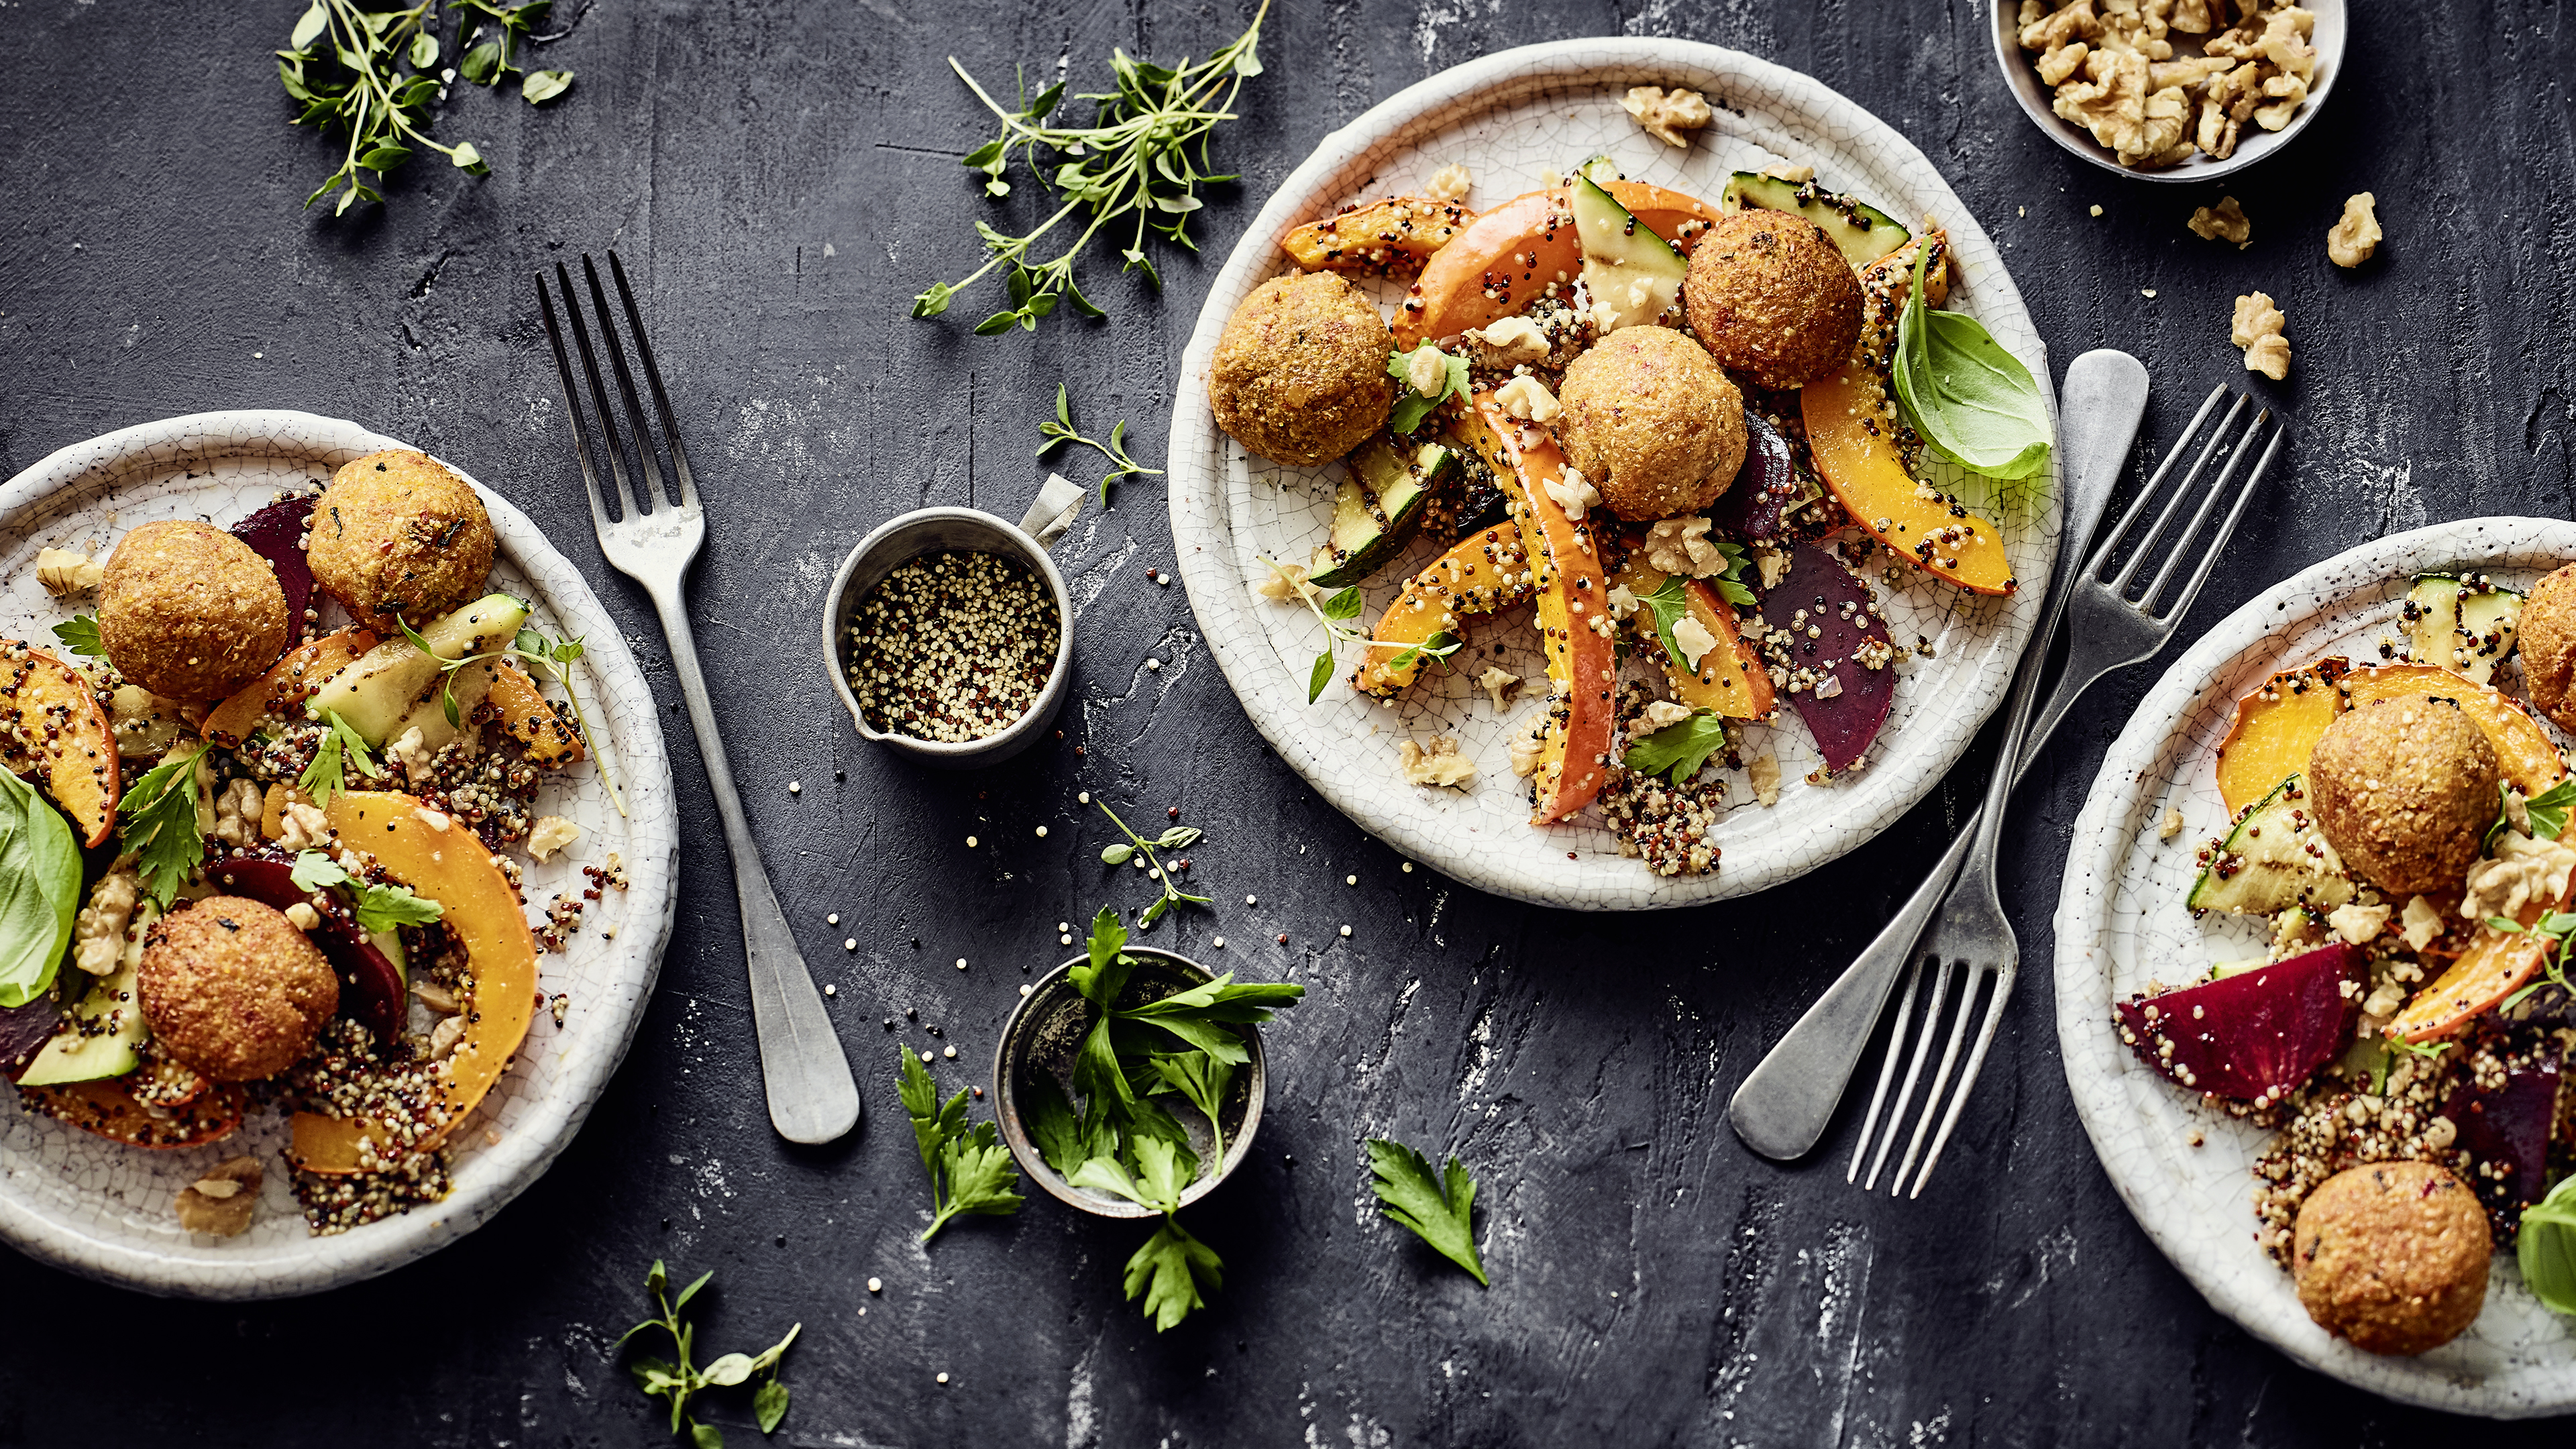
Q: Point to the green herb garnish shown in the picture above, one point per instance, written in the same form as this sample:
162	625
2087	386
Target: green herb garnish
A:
344	66
489	62
970	1170
678	1382
540	651
379	908
1178	837
342	747
1678	749
1412	407
1059	431
2546	1249
1971	400
80	636
1134	161
1170	1269
160	825
1437	1206
1333	610
40	890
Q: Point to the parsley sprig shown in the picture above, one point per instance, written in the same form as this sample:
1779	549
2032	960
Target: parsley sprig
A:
160	826
1059	430
1412	407
378	907
1436	1205
681	1381
80	636
1178	837
554	657
341	749
970	1170
1333	610
1678	749
1133	163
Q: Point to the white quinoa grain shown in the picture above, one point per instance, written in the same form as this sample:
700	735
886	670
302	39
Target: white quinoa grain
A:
1220	943
1154	664
1064	940
851	944
833	919
1350	880
1346	930
795	787
830	990
970	842
1041	832
949	1052
876	1285
961	963
943	1378
1026	988
926	1059
1084	797
1251	900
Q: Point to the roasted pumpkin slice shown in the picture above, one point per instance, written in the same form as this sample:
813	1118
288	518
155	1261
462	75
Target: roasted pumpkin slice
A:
52	727
1395	234
1731	679
1508	257
443	860
287	684
1484	573
1851	434
2276	728
529	719
2494	967
107	1107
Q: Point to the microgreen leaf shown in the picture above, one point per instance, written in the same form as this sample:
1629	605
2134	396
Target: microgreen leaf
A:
1060	430
542	86
384	907
1319	676
1437	1207
342	747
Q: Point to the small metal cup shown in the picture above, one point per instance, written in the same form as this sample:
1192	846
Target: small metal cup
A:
933	530
1046	1032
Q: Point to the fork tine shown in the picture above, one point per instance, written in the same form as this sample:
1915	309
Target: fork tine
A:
653	377
2146	544
2237	454
1887	1068
2227	527
598	395
2107	544
1913	1072
1941	1079
1968	1076
645	457
581	442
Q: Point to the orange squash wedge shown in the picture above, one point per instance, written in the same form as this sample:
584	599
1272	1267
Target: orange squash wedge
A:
2494	967
1395	234
530	719
1483	573
288	683
1851	435
446	862
52	726
1731	680
106	1108
2278	725
1512	254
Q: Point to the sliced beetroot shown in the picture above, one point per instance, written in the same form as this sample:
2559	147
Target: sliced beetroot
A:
372	989
2253	1036
24	1030
276	533
1842	699
2506	1128
1751	506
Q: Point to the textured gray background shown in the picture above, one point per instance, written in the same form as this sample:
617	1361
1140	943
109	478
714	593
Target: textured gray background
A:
1654	1282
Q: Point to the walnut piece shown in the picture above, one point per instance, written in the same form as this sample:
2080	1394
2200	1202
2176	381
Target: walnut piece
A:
1286	581
65	572
2257	329
1572	491
221	1202
1682	546
2115	72
237	812
1426	371
1668	116
2224	222
1441	764
1527	747
1527	398
1511	341
1763	771
2352	240
99	931
549	834
1450	183
1499	683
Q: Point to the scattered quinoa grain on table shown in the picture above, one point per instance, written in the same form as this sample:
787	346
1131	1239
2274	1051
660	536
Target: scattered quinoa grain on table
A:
952	647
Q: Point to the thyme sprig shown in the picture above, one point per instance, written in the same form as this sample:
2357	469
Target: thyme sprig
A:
1133	163
1059	431
1179	837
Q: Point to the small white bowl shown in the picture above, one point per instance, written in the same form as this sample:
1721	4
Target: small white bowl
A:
2021	77
908	536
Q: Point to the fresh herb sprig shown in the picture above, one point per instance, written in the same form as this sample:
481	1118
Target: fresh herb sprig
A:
1178	837
1973	402
1436	1205
489	62
681	1381
1412	407
1133	163
1678	749
345	67
970	1170
80	636
1173	1272
1334	610
1059	431
2545	813
342	749
160	825
538	650
378	907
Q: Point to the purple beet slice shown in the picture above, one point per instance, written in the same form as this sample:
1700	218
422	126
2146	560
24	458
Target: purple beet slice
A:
276	533
1751	506
2506	1128
24	1030
374	989
2253	1036
1842	699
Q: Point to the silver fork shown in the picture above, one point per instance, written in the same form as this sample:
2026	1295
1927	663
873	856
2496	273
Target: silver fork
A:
2107	629
811	1095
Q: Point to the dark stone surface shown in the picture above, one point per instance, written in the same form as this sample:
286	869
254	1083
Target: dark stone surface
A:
782	179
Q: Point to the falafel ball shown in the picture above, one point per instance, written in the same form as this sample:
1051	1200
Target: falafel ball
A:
1300	375
1770	297
233	990
399	534
2393	1256
1652	423
2405	790
190	612
2548	641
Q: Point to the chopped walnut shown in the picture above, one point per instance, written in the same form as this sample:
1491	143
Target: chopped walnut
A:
413	753
1572	491
549	834
65	572
2420	923
436	997
1773	564
1286	581
99	931
1426	371
2224	222
2115	72
302	916
1763	772
1450	183
2170	826
1661	714
2257	329
1499	683
2522	870
2356	922
221	1203
2352	240
1692	638
237	811
444	1037
1527	398
1441	764
1682	546
1511	342
1623	602
1668	115
1527	746
302	826
1794	175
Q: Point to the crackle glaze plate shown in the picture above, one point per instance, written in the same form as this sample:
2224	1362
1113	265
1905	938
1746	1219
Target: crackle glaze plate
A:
1508	118
2121	921
102	1209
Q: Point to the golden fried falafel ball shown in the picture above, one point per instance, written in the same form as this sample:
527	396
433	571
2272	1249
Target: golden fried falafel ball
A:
2393	1256
1652	423
399	534
2405	790
233	990
190	612
2548	643
1299	376
1770	297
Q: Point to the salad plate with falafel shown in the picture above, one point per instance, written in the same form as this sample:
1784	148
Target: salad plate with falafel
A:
1618	473
303	728
2313	966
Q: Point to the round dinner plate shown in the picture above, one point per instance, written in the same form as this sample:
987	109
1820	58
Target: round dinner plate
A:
102	1209
1508	118
2121	921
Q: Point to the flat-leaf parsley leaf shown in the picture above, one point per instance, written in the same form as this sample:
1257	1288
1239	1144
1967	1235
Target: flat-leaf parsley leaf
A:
1437	1206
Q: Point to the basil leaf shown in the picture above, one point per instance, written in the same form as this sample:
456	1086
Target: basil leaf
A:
1679	748
40	886
1344	605
2546	1248
1972	401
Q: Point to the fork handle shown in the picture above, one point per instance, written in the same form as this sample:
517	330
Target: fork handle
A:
811	1095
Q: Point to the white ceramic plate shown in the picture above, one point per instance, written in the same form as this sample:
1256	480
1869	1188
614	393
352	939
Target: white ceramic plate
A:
104	1210
1509	117
2121	921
